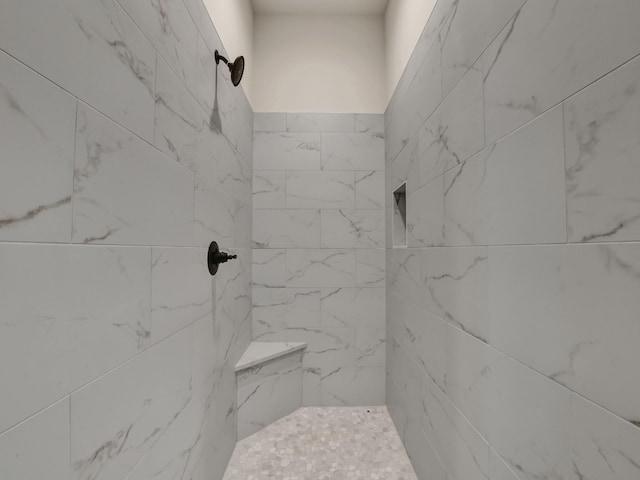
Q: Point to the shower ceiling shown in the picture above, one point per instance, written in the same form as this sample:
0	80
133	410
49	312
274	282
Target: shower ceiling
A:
361	7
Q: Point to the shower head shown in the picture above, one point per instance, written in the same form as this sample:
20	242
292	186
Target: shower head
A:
236	68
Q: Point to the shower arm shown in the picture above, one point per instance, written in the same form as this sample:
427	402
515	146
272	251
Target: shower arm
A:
220	57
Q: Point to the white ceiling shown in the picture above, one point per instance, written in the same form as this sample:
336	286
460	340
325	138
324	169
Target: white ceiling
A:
360	7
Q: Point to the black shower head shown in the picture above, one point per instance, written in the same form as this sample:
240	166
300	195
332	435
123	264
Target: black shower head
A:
236	68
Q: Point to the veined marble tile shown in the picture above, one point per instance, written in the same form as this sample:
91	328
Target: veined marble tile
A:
39	447
269	122
170	29
286	228
321	268
372	123
403	274
286	151
204	85
204	24
90	48
468	30
329	349
269	267
37	137
581	303
70	341
601	132
500	470
455	287
530	421
320	122
370	347
370	190
181	289
463	451
352	229
403	169
268	392
352	151
353	307
425	215
108	158
511	193
320	189
269	189
603	445
353	386
551	50
370	267
277	309
455	131
158	390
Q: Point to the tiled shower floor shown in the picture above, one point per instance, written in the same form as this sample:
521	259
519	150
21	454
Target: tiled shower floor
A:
316	443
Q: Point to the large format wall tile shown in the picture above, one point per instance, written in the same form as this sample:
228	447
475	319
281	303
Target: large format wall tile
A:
108	158
352	228
549	51
370	190
157	386
37	137
580	302
321	268
81	311
281	151
601	128
277	309
286	228
320	122
320	189
39	447
352	151
91	49
269	189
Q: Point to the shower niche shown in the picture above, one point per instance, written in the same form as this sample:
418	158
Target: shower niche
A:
399	234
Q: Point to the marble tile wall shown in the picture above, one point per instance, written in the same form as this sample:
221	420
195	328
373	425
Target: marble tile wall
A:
512	316
318	258
124	154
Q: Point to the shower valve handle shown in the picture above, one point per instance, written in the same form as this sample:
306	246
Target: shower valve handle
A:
215	257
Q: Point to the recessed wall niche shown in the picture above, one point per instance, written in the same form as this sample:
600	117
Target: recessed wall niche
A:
400	216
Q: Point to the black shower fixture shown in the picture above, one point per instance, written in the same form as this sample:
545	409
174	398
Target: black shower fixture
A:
236	68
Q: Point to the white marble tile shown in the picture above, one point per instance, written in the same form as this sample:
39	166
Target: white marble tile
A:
286	228
530	421
455	287
370	190
352	229
468	31
603	445
550	51
321	268
90	48
311	395
370	267
277	309
455	131
370	123
602	147
352	151
353	386
171	31
403	274
581	303
320	189
59	341
282	151
425	215
320	122
109	158
181	289
39	447
329	349
204	85
268	392
260	352
37	137
269	267
158	390
353	307
512	193
370	347
500	470
269	189
269	122
463	451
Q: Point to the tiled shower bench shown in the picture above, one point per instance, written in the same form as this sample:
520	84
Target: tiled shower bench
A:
269	380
